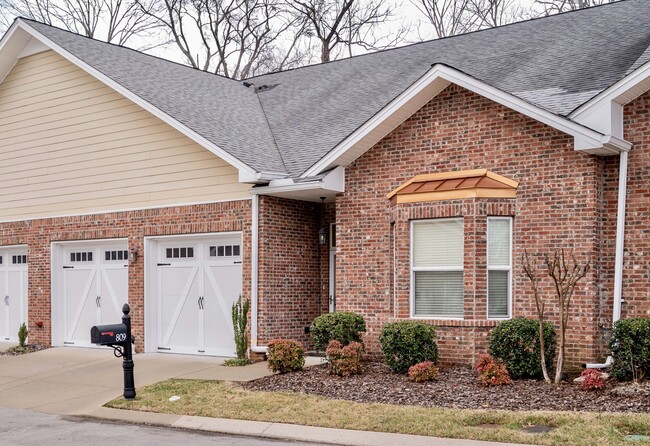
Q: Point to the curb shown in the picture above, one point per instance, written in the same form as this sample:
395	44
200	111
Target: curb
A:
278	431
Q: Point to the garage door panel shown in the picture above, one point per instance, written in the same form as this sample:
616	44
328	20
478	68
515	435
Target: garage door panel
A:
114	284
5	333
13	292
17	282
81	303
179	293
222	290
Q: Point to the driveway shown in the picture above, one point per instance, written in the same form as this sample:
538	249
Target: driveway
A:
75	381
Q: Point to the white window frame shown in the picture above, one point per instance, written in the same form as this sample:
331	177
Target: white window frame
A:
434	268
498	268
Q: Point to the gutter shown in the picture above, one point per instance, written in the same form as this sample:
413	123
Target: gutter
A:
254	273
620	245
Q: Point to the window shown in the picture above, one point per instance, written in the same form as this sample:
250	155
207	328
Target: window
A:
116	255
225	251
499	254
179	253
81	256
437	268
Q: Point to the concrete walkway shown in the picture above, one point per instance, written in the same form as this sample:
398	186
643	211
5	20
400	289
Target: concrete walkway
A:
76	381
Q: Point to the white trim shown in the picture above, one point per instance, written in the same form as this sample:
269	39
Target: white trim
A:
197	203
218	151
255	218
584	136
413	269
498	268
333	181
620	238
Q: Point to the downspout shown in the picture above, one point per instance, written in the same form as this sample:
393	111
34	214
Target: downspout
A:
620	244
255	220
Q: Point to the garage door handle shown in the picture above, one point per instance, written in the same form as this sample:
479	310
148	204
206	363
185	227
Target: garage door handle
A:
98	301
201	303
6	300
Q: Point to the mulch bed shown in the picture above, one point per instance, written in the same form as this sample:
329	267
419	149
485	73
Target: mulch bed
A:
16	351
457	388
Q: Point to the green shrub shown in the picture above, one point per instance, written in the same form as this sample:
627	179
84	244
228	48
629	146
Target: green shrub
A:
516	343
341	326
630	345
22	335
344	360
492	372
239	321
407	343
423	371
285	355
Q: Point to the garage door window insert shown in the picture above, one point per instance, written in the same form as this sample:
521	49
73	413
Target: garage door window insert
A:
499	253
437	268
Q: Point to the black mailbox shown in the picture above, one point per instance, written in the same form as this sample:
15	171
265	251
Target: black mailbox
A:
114	334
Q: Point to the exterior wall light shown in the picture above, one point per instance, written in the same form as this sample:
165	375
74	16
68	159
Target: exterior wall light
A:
133	254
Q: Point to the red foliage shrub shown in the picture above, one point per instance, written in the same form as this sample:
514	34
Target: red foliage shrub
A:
424	371
593	379
492	372
344	361
285	355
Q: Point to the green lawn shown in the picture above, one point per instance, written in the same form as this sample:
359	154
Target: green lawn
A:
225	400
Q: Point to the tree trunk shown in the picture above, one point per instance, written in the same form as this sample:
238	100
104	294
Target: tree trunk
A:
560	357
542	350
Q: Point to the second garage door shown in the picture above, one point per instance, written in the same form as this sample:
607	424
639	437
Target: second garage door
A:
197	281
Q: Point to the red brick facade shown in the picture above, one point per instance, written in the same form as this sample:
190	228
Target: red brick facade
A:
134	225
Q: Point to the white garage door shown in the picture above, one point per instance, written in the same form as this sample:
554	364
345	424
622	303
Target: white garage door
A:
93	287
197	281
13	292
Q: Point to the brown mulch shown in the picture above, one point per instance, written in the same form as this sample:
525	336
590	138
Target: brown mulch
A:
457	388
16	351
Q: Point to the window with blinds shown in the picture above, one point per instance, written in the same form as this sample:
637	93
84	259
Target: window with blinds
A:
437	268
499	253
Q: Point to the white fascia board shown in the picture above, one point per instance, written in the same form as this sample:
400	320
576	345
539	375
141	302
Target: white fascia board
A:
12	43
233	161
439	72
260	177
334	181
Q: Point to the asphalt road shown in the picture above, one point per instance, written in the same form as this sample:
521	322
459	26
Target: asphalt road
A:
20	427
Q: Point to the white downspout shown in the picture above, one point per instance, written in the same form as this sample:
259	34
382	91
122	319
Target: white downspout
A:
255	220
620	244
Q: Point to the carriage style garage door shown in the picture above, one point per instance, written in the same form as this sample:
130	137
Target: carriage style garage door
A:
195	282
91	285
13	292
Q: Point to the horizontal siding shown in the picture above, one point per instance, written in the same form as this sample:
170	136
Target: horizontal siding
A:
70	145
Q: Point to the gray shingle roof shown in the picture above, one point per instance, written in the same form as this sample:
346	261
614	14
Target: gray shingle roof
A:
557	63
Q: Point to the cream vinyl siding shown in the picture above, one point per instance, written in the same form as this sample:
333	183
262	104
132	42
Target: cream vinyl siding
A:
71	145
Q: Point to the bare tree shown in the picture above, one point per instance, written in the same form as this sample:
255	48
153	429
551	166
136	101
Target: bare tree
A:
234	38
337	24
531	272
493	13
566	272
556	6
449	17
114	21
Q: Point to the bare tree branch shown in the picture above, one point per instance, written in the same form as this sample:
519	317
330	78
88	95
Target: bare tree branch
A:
550	7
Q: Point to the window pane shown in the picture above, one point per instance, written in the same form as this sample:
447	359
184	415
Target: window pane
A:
498	293
498	242
439	293
438	243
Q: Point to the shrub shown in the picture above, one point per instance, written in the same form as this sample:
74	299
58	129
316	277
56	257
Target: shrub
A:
237	362
407	343
344	360
423	371
516	343
22	335
492	372
239	321
592	379
630	345
343	327
285	355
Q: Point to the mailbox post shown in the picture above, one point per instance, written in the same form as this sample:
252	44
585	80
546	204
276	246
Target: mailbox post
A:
119	337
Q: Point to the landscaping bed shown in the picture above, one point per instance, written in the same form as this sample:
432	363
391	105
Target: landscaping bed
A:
457	388
17	350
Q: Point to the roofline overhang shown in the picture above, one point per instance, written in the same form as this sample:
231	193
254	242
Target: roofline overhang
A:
242	167
429	86
328	186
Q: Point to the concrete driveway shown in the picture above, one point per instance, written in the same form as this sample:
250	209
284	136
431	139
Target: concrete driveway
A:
75	381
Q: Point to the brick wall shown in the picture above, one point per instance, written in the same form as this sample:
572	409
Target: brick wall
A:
290	292
134	225
557	206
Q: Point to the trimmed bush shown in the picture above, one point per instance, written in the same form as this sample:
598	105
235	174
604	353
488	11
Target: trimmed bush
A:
239	314
492	372
424	371
285	355
592	379
344	360
343	327
516	343
630	345
407	343
22	335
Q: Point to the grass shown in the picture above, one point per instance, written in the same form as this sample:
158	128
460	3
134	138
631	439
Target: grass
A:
237	362
225	400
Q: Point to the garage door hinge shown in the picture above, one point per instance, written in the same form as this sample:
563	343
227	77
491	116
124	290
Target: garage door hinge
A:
68	267
164	264
237	262
163	348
